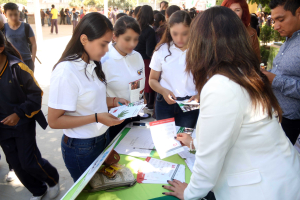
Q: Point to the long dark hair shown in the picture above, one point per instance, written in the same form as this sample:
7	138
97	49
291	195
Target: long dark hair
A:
145	16
221	45
125	23
93	25
158	17
8	47
176	18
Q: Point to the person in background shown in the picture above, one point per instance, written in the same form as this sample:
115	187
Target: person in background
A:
77	97
155	12
242	152
168	65
43	17
74	18
20	108
112	16
62	16
67	12
49	16
192	13
54	13
159	23
81	10
15	32
254	23
25	13
170	10
1	11
240	7
136	11
285	74
145	47
131	13
82	15
121	15
122	65
163	7
183	7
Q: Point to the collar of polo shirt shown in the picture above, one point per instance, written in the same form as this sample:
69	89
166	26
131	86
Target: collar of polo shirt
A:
116	55
80	65
173	46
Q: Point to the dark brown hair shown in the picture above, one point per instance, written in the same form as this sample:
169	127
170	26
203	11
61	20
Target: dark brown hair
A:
124	23
94	25
221	45
176	18
145	17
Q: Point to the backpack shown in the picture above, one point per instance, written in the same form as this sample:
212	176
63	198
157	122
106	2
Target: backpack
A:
27	27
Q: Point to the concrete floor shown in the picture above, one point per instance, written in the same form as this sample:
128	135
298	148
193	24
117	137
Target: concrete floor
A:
49	51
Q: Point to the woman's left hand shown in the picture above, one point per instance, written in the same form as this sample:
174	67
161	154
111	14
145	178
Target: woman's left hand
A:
177	187
195	98
184	139
122	101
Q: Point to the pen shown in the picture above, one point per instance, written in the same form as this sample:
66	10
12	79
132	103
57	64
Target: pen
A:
144	149
120	104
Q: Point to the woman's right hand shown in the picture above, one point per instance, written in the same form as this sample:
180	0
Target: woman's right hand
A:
169	96
184	139
108	119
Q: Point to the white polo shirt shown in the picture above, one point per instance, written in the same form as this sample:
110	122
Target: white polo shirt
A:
79	93
121	70
173	75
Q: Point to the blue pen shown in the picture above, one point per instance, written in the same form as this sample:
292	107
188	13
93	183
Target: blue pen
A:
120	104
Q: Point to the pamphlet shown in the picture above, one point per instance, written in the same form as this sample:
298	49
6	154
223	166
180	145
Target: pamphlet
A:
136	89
163	135
124	112
188	106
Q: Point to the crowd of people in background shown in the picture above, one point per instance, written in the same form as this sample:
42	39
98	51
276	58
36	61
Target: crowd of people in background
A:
249	118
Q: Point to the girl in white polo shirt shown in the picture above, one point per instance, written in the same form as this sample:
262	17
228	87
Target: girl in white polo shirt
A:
168	62
122	65
77	99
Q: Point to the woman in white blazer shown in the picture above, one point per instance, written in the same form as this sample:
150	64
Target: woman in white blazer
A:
242	152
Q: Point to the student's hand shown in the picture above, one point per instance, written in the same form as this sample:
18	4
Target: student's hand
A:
108	119
177	187
184	139
195	98
11	120
169	96
122	101
269	75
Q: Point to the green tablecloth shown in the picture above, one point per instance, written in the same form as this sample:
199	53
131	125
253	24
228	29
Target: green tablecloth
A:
141	191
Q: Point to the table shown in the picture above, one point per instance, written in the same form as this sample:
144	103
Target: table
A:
141	191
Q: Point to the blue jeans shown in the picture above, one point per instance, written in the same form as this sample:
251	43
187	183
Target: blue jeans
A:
49	21
79	154
164	111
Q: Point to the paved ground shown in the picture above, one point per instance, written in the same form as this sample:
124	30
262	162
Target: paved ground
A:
49	51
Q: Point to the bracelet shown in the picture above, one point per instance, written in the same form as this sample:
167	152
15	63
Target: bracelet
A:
96	117
114	101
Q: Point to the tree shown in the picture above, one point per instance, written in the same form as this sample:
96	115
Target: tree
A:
24	2
75	3
262	2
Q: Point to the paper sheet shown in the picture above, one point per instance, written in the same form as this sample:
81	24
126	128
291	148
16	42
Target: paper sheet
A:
188	106
159	171
124	112
136	89
190	162
163	133
137	142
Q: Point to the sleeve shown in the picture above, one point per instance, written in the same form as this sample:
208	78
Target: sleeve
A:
33	92
31	33
219	105
287	86
150	42
64	89
155	63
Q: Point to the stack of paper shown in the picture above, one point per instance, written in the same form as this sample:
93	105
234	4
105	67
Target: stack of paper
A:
159	171
163	135
137	142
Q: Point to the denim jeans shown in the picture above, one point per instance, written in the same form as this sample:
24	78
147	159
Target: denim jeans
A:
49	21
79	154
164	111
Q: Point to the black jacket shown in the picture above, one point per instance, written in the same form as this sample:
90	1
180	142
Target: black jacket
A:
147	43
22	94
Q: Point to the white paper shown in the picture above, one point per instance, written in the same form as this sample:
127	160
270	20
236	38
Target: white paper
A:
186	153
136	89
163	133
124	112
136	142
190	162
159	171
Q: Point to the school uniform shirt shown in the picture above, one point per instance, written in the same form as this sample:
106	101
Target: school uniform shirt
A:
172	68
121	70
80	93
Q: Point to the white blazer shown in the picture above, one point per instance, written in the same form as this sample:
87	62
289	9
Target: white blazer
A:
242	154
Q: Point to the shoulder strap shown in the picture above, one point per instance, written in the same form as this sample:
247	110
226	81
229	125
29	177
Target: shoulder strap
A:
27	26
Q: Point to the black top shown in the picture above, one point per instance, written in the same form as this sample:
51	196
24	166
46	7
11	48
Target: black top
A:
147	43
163	12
